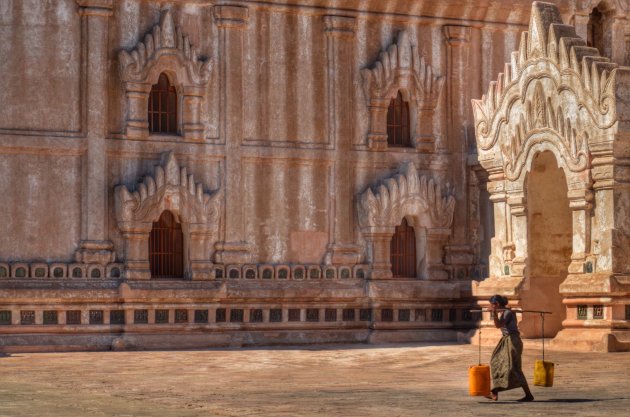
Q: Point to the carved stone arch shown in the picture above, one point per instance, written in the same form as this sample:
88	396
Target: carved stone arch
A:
164	50
418	198
401	68
170	188
559	95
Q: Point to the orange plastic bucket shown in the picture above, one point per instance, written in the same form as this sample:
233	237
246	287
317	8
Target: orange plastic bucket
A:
479	380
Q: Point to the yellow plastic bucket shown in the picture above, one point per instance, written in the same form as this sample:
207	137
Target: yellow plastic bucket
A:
479	380
543	373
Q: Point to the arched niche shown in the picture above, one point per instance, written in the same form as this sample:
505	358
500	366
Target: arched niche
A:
401	68
427	209
171	188
165	50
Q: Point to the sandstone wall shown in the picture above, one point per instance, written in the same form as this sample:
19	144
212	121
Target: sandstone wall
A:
300	137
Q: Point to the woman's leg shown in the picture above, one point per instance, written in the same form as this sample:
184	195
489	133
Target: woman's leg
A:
528	394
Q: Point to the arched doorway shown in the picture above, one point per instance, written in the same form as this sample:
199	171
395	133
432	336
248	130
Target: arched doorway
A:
166	247
549	245
403	251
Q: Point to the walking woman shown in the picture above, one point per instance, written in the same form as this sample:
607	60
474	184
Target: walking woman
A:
505	364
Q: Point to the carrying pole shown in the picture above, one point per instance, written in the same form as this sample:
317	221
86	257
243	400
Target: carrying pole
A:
480	345
542	318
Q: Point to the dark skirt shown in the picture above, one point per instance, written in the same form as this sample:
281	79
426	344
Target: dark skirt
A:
505	364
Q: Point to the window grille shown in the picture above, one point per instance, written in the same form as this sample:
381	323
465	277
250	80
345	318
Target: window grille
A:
403	251
201	316
96	316
398	133
437	314
255	315
330	314
365	314
581	311
166	248
404	314
117	317
163	107
275	315
50	317
294	314
73	317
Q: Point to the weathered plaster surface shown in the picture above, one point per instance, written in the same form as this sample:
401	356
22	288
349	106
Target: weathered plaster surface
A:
283	120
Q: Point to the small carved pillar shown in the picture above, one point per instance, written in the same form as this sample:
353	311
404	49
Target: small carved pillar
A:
517	205
580	202
136	239
618	39
437	238
232	21
94	246
379	240
191	112
377	138
137	114
458	111
581	25
501	238
201	237
340	64
424	138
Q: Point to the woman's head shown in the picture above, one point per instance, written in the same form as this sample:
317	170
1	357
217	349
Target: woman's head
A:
499	299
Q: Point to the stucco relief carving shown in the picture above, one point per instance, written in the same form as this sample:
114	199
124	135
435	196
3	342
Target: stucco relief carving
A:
536	125
554	81
170	188
406	195
559	96
164	50
401	68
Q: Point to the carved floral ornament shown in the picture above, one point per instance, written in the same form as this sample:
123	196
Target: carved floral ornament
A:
165	40
406	194
164	50
401	68
170	188
556	94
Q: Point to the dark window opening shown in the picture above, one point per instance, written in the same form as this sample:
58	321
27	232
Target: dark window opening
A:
163	107
166	248
403	251
398	133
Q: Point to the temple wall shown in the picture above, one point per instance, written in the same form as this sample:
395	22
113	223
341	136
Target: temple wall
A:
286	111
40	46
281	138
42	222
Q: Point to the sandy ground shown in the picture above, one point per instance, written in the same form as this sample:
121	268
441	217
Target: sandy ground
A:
358	380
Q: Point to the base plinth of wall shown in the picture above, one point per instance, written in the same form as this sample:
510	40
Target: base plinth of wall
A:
405	336
592	340
159	341
575	340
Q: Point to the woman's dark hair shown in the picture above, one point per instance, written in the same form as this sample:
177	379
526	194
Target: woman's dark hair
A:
499	299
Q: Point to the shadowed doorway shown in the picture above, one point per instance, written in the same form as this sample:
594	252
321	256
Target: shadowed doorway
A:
549	245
